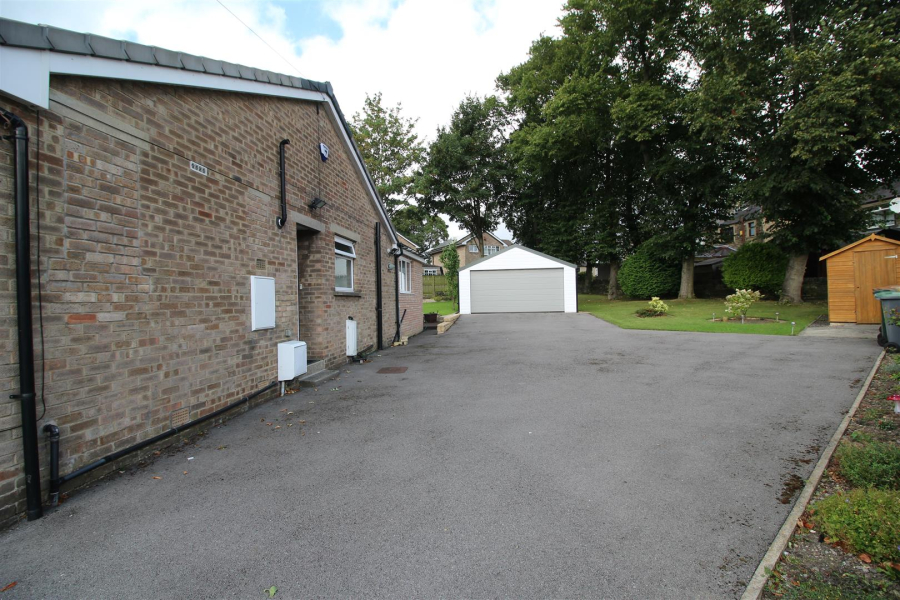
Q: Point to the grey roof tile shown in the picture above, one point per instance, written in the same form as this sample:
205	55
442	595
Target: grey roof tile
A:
23	34
64	40
247	72
213	66
191	62
167	58
106	47
272	77
139	53
231	69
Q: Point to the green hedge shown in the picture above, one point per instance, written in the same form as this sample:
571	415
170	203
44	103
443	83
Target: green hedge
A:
644	275
756	266
876	464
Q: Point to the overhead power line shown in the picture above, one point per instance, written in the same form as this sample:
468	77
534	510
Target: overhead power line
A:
260	38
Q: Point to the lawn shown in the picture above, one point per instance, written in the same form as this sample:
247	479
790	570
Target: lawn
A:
441	308
696	315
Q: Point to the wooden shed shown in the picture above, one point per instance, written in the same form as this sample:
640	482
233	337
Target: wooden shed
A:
854	272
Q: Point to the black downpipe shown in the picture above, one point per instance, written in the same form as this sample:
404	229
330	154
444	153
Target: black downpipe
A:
280	221
57	482
26	395
379	317
52	432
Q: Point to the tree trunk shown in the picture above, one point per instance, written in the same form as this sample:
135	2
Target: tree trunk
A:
588	275
686	291
614	292
792	289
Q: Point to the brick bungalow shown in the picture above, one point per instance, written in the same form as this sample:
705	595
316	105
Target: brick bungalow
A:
155	193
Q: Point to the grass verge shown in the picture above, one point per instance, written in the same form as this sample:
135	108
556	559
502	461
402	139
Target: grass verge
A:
441	308
696	315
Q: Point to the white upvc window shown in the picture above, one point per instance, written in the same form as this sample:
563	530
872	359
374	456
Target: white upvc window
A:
488	250
345	254
431	271
473	248
405	276
751	229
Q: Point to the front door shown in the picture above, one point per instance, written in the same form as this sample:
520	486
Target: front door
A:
873	269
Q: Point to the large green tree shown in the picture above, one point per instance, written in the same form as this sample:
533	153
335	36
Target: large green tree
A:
606	148
466	174
809	91
391	150
419	226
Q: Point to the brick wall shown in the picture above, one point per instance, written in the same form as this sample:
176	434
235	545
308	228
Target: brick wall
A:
413	322
145	264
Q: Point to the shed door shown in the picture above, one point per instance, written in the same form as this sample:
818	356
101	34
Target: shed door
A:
518	290
873	269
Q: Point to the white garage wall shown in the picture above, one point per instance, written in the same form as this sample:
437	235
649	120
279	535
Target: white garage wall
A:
517	257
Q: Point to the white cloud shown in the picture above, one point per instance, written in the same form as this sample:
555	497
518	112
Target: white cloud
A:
425	54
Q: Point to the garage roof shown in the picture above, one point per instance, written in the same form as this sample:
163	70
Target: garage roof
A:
520	247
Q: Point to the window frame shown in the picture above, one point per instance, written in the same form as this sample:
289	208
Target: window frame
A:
751	229
472	248
350	257
490	250
404	272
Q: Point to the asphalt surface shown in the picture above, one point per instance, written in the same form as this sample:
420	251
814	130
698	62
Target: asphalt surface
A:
525	456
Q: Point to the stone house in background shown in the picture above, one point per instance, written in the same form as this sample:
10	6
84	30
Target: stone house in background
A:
468	250
156	195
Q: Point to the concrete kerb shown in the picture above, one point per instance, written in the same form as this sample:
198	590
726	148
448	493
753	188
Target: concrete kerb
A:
761	576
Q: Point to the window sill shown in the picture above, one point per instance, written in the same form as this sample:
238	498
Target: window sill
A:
348	294
407	293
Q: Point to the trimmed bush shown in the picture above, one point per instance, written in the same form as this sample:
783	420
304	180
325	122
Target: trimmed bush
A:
876	464
645	275
866	520
756	266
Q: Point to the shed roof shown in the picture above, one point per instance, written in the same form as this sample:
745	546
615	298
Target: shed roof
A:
869	238
520	247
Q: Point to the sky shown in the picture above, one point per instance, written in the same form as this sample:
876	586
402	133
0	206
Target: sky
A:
424	54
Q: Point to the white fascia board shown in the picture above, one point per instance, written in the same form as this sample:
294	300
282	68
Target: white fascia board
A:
107	68
25	75
28	74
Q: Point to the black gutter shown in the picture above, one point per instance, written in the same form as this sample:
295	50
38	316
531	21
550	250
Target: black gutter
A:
379	317
56	482
26	395
280	221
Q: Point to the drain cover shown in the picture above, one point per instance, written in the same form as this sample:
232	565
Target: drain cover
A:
392	370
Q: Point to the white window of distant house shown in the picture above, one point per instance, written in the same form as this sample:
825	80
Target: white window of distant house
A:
431	271
751	229
343	264
405	277
473	248
488	250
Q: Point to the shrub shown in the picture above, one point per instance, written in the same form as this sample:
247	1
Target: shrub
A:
757	265
867	520
645	275
876	464
655	308
738	303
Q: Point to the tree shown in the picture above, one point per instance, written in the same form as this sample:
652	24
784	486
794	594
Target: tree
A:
450	262
416	224
465	175
391	150
809	90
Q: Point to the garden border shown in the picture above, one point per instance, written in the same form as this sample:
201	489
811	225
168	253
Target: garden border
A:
769	560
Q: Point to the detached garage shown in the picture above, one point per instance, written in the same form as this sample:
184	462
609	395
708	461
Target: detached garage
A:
517	279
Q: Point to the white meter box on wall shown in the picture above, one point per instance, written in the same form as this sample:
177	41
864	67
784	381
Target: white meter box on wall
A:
262	303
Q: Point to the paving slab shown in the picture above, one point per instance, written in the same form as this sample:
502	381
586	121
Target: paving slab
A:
526	456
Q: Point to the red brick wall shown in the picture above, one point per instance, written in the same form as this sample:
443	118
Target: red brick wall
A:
145	264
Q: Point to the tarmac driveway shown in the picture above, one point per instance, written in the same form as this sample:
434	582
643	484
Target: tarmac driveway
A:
518	456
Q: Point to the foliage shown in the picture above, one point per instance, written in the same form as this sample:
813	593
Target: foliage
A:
441	308
390	149
875	464
644	275
810	90
466	175
817	587
867	520
424	229
450	261
756	265
654	308
738	303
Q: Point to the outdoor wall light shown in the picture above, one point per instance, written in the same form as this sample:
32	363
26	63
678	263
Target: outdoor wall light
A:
317	203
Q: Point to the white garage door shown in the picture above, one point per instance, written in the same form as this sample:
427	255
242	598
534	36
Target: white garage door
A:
520	290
